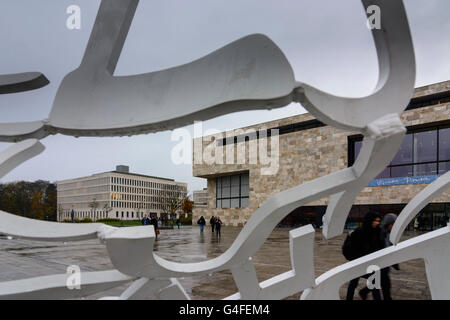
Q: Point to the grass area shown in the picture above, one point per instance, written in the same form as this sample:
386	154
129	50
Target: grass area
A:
126	223
129	223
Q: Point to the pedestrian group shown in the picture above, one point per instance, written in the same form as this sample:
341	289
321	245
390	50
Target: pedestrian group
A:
372	236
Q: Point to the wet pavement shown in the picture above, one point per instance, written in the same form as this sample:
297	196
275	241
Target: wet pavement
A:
20	259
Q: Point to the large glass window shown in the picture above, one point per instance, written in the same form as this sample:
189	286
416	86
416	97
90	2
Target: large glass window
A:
405	152
422	153
444	144
232	191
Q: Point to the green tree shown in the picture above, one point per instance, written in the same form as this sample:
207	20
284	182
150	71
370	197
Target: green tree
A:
29	199
187	205
50	200
37	206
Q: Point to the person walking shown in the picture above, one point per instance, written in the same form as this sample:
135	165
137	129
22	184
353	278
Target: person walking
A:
145	221
212	221
386	226
416	225
202	223
178	223
364	240
218	224
154	222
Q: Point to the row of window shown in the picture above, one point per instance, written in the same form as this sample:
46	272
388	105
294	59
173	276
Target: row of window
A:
89	190
128	214
140	183
422	153
133	197
84	198
232	191
431	217
115	188
83	184
100	215
117	181
123	204
252	134
83	214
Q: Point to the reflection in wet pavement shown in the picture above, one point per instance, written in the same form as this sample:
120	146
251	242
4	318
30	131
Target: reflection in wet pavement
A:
21	259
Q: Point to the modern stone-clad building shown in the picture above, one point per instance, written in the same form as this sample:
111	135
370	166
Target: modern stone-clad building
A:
239	180
116	194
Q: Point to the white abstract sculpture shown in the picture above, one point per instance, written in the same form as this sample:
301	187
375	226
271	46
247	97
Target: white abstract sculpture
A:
250	73
19	82
433	247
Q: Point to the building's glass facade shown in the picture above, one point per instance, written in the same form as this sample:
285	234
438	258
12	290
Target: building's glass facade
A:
424	152
232	191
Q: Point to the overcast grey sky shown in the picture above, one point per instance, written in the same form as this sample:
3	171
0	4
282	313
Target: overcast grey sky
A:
326	42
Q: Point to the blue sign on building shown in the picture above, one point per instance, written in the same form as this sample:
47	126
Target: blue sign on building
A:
402	180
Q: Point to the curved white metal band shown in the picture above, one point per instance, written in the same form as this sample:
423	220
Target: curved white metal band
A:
18	154
436	262
396	77
26	228
56	286
20	82
413	208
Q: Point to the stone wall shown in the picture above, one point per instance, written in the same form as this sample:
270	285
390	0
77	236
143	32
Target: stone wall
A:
304	156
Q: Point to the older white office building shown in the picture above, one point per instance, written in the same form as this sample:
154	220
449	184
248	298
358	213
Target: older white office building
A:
116	194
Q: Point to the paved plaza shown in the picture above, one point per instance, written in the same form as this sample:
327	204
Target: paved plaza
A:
21	259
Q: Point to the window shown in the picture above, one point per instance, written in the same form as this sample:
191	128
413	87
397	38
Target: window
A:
423	152
232	191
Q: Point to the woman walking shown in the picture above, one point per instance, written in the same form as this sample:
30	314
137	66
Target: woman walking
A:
202	223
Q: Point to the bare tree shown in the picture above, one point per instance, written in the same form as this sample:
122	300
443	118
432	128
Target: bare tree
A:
139	206
60	211
172	198
93	205
107	208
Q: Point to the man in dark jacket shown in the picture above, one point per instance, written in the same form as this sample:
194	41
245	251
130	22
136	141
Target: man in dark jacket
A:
154	222
386	226
218	224
365	240
212	221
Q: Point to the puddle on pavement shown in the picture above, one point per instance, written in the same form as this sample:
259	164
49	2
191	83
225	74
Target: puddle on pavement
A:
29	248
